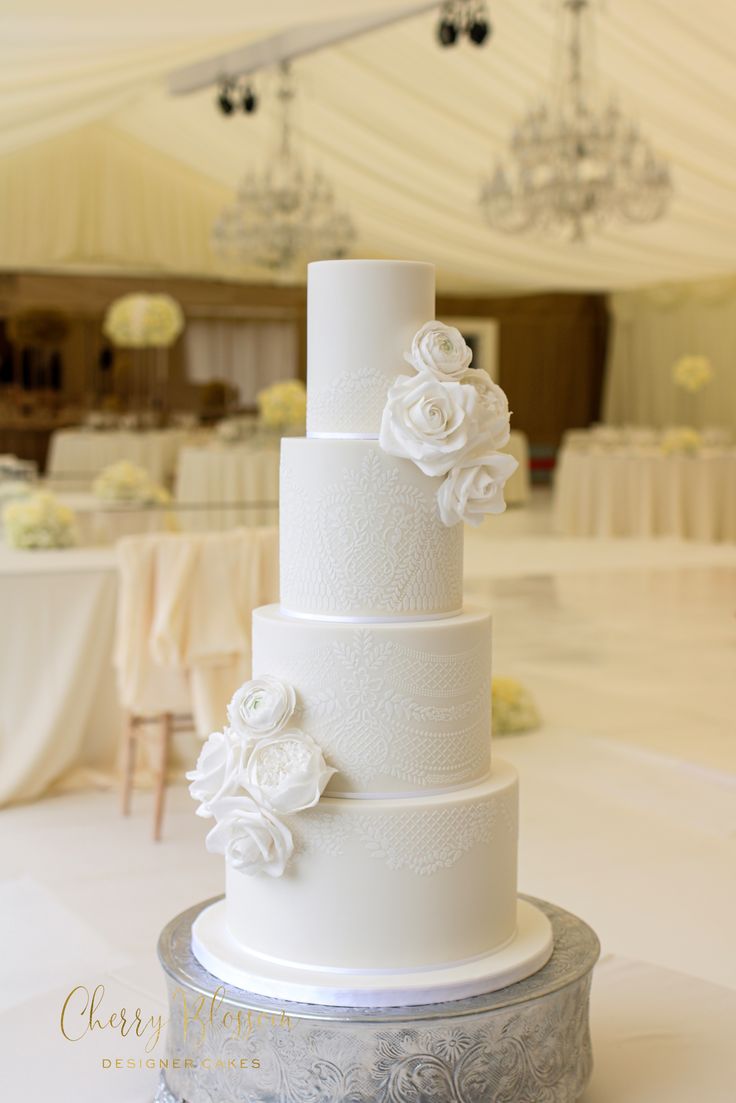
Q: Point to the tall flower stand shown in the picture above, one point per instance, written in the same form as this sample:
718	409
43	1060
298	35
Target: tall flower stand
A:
528	1043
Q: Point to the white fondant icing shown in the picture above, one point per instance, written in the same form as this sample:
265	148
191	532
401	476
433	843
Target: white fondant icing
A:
361	534
393	706
390	884
361	317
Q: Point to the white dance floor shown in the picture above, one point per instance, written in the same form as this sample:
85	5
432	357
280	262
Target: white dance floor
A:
628	819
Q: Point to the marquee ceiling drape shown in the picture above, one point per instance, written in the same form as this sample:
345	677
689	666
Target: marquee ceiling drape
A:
101	167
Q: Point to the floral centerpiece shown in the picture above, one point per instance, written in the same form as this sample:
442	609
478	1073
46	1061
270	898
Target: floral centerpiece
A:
683	440
450	420
514	709
283	405
140	321
126	482
692	373
39	521
256	774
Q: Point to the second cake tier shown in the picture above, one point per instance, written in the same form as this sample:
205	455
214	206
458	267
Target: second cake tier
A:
361	535
395	707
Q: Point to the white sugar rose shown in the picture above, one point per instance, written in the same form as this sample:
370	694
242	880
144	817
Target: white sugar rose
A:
217	773
263	706
252	839
475	488
494	407
429	422
440	350
286	772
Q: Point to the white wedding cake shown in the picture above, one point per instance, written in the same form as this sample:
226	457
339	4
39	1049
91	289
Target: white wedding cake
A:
370	837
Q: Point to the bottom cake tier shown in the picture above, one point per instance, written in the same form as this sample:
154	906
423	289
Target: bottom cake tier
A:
384	901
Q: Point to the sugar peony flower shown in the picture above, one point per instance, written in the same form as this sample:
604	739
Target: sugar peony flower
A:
252	839
429	422
474	488
287	772
440	350
263	706
217	773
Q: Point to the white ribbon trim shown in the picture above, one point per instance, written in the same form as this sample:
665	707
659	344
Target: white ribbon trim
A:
329	795
341	436
369	620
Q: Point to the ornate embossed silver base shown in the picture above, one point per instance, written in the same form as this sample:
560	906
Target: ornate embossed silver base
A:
527	1043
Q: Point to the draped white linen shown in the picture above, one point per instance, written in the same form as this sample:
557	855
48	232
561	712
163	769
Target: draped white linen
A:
404	130
652	329
249	355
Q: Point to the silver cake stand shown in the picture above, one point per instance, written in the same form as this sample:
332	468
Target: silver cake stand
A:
528	1043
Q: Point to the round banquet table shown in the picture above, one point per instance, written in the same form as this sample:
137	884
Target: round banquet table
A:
221	486
58	699
644	492
76	456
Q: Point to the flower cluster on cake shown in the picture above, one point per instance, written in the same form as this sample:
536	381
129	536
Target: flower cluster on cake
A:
254	772
39	521
126	482
451	420
283	405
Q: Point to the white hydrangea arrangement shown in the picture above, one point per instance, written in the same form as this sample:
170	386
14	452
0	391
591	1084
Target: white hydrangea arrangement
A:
127	482
450	420
39	521
514	709
283	405
692	373
254	772
682	440
143	320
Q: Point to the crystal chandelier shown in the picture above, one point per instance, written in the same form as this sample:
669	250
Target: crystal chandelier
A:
283	214
577	162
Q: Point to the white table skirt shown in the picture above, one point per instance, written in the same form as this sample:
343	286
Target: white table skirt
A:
643	492
212	481
58	699
76	456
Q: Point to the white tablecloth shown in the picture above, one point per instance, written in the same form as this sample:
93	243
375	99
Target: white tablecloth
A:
518	488
58	699
76	456
212	481
643	492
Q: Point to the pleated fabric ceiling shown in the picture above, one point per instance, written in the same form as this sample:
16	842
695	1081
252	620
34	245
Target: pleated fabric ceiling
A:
101	168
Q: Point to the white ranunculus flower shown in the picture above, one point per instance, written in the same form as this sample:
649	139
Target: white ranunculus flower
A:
475	488
429	422
252	839
286	772
217	773
494	407
263	706
440	350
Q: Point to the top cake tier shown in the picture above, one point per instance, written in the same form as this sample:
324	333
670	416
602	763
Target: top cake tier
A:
362	316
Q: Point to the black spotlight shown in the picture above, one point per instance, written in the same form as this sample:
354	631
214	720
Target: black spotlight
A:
225	99
447	32
478	31
250	100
